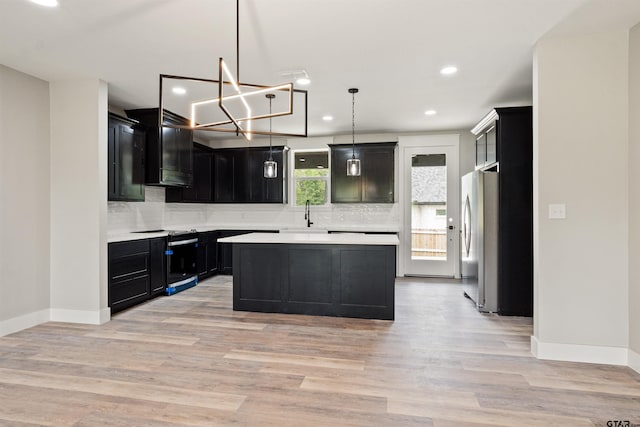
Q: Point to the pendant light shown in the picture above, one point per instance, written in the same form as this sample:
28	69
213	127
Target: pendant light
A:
270	169
353	164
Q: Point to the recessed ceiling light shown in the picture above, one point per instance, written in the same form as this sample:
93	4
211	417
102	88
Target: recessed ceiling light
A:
320	167
48	3
302	159
179	90
430	112
303	81
327	118
449	70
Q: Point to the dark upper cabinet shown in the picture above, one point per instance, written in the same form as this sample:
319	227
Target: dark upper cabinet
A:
126	149
168	150
239	176
376	181
223	161
202	186
261	189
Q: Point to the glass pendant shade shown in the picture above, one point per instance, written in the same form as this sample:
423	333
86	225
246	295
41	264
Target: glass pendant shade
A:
270	169
353	167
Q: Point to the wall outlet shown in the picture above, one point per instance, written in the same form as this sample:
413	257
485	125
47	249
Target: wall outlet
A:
557	211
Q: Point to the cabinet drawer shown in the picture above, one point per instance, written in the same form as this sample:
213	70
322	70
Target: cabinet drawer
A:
125	267
119	249
128	292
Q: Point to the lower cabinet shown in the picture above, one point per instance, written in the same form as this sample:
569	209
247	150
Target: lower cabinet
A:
136	272
207	254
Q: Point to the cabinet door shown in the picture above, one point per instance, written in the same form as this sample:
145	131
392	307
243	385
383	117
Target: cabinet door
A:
185	154
481	150
157	264
241	176
377	174
223	176
274	191
129	157
256	181
490	137
170	150
344	189
126	161
212	253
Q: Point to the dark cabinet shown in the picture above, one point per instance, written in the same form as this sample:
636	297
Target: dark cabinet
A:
238	176
376	182
157	265
136	272
225	250
486	146
126	149
201	189
510	131
207	254
261	189
168	150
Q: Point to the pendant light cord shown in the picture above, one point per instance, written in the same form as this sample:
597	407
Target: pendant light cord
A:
270	96
238	41
353	122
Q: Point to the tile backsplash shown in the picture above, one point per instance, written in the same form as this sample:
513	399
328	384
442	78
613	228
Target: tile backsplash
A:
154	213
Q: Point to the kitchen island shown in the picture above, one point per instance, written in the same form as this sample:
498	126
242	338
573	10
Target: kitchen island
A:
346	275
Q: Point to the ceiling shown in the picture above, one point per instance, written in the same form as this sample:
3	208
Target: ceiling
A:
391	50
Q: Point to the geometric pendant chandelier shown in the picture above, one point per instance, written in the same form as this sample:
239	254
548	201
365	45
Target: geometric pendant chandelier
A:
228	105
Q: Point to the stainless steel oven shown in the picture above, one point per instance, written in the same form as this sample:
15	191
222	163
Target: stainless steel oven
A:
182	256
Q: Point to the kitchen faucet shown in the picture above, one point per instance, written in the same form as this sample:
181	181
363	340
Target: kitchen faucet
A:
307	212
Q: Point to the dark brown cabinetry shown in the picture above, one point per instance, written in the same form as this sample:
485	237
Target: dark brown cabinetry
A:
168	150
126	151
508	133
207	254
376	182
136	272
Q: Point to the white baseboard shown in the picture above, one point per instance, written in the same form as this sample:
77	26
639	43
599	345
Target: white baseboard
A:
634	361
25	321
579	353
81	316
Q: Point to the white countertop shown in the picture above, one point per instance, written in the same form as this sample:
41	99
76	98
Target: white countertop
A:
315	238
124	236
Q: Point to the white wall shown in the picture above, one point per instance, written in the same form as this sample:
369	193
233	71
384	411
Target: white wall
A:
24	200
580	159
634	197
79	201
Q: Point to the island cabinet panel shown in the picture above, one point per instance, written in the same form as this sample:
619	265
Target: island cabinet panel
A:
315	279
262	273
310	276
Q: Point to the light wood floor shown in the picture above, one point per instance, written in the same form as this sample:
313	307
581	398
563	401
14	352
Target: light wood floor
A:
189	359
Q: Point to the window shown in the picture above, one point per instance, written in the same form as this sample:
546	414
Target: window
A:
311	177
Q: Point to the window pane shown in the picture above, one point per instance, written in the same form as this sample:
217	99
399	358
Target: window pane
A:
311	172
314	190
428	207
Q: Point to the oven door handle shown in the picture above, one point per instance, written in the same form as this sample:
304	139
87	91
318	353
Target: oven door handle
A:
182	242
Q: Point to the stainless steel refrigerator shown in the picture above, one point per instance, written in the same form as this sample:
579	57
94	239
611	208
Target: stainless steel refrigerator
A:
479	239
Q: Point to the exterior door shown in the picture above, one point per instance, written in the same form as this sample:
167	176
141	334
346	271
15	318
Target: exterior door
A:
431	211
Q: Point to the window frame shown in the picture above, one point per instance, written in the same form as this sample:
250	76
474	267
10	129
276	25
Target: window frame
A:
295	179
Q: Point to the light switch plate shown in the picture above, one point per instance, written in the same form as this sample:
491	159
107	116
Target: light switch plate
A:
557	211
